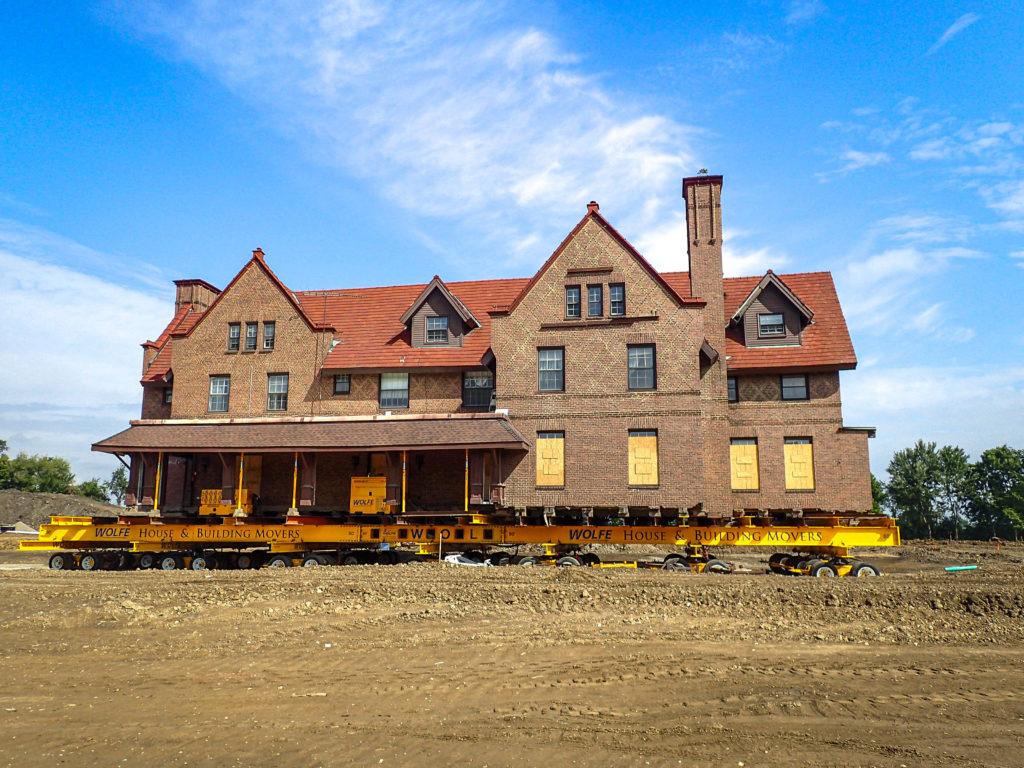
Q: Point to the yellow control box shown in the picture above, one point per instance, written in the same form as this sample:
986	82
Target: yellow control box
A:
368	496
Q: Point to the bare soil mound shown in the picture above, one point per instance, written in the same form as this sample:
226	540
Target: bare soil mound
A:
35	509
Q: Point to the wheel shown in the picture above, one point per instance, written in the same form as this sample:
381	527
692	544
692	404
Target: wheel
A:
474	555
147	560
822	570
589	558
63	561
672	557
776	559
864	569
350	558
675	564
791	561
528	560
125	561
279	561
203	562
91	561
716	566
567	562
171	562
499	558
314	560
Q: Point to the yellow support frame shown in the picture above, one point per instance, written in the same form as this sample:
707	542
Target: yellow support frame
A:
82	532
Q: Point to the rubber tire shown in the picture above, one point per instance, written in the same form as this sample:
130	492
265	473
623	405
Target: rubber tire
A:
202	562
91	561
676	564
528	560
567	562
777	558
147	560
589	558
864	569
279	561
674	556
498	558
125	561
63	561
171	562
822	569
350	558
314	560
714	565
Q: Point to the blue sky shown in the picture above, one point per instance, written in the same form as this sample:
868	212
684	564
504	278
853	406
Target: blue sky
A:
366	143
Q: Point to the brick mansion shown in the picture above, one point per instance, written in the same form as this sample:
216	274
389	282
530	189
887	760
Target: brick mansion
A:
596	389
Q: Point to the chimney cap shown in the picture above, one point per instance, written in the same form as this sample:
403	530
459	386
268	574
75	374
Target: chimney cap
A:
257	253
593	207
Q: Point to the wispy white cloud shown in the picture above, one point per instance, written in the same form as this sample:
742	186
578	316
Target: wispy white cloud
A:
854	160
70	361
954	29
1018	256
451	110
800	11
740	50
976	407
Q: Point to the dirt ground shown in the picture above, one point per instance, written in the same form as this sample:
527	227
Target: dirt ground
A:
436	665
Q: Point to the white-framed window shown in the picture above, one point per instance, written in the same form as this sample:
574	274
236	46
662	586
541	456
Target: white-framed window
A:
269	333
394	390
220	390
794	387
551	369
477	387
342	383
595	300
277	392
572	301
251	332
771	325
617	299
641	364
234	334
437	330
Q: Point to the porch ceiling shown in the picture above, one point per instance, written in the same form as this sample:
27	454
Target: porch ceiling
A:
346	435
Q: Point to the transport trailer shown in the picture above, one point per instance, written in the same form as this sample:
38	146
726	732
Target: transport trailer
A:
90	543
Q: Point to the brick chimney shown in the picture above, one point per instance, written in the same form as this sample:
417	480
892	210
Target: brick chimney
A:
703	195
199	293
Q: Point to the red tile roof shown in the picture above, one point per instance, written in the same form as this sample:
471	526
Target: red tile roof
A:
370	334
825	343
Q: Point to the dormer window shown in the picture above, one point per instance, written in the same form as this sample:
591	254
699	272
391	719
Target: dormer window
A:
770	325
437	330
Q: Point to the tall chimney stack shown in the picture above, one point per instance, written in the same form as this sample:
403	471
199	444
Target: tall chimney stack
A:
703	195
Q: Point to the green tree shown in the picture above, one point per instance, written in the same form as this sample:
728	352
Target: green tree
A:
997	506
91	489
878	495
954	484
912	488
40	474
5	466
117	485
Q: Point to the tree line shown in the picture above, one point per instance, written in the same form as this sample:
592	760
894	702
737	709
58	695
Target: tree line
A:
52	474
939	493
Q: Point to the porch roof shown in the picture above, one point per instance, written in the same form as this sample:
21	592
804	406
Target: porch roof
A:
323	434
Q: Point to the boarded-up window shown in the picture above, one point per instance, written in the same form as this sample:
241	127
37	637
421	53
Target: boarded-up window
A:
551	458
799	464
743	464
643	457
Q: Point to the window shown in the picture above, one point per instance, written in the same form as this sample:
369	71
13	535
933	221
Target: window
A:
477	387
595	300
734	393
643	457
234	333
394	390
277	392
794	387
551	369
770	325
168	395
251	331
799	454
551	459
220	388
269	332
743	464
572	301
437	330
641	366
617	300
342	383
